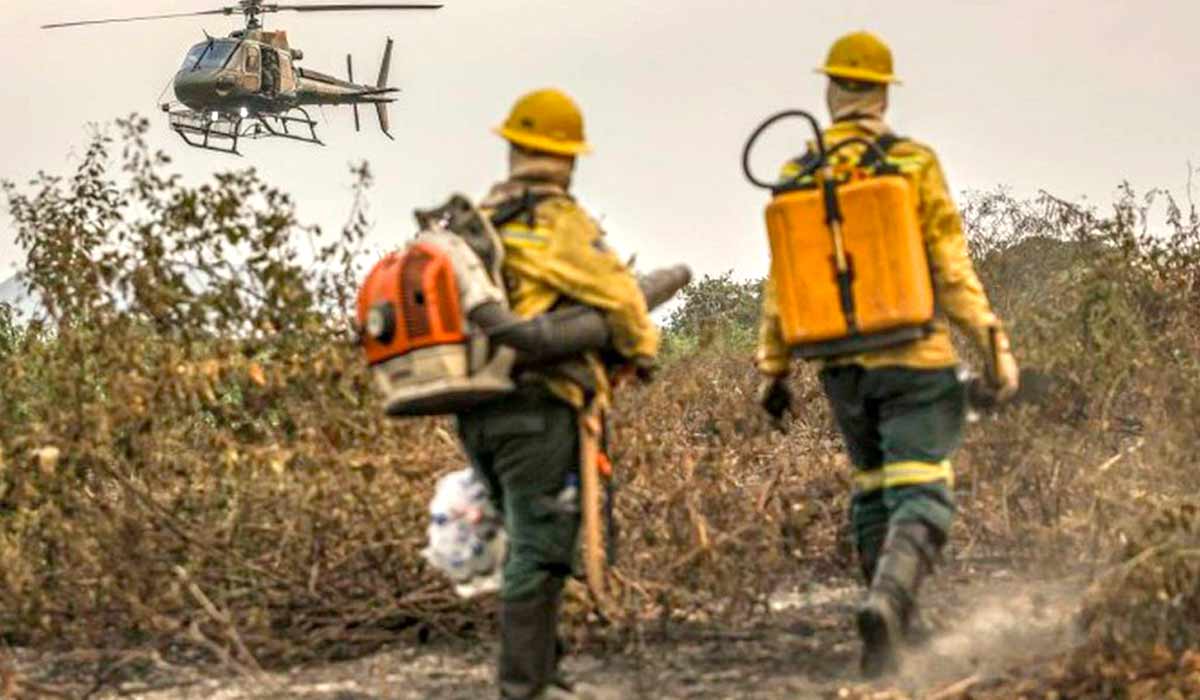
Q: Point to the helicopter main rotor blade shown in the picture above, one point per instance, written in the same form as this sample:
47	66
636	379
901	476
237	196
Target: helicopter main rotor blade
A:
345	7
137	19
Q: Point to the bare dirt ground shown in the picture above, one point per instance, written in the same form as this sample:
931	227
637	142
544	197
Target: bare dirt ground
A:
995	619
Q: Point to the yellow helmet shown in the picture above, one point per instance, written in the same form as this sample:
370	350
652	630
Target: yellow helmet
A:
548	121
860	56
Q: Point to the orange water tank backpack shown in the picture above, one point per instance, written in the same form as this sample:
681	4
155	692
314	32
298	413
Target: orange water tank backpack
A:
848	256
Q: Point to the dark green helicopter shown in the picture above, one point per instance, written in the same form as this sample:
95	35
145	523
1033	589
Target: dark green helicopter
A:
249	86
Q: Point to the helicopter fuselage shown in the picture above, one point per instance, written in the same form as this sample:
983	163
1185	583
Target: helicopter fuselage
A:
255	72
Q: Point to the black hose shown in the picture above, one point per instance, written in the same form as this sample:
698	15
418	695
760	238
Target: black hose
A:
823	153
661	285
547	338
567	332
816	127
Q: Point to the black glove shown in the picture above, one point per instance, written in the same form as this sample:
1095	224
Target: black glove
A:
775	397
624	370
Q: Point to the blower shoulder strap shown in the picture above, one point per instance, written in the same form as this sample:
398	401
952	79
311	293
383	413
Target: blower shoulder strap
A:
870	159
885	143
522	205
806	162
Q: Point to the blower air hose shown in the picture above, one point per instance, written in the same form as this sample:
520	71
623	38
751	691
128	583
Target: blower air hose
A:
569	331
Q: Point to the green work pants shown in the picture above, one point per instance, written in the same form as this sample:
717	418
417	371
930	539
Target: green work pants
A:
524	446
901	426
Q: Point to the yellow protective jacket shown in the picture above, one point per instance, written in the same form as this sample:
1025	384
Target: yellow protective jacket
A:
559	256
958	294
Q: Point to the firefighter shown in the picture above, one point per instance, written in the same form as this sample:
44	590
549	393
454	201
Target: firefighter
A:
527	445
901	410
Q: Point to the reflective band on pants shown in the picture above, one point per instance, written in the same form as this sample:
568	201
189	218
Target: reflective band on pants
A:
904	474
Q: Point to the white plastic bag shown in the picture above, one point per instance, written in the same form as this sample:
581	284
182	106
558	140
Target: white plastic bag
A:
466	535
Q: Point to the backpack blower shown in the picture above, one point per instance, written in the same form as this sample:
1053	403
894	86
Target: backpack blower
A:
435	323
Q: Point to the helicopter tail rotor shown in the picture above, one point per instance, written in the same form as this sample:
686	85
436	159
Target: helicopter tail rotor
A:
382	84
350	72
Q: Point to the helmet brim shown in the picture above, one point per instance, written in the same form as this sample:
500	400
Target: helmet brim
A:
535	142
860	74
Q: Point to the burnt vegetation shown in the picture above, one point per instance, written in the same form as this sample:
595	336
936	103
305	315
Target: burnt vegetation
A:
195	466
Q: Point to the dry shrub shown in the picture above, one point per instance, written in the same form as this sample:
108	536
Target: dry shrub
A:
1152	594
719	509
1106	308
194	461
1102	471
193	458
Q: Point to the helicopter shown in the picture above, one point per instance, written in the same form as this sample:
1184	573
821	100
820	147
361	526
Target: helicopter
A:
248	86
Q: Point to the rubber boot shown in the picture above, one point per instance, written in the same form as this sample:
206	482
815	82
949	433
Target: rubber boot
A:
904	563
527	646
918	631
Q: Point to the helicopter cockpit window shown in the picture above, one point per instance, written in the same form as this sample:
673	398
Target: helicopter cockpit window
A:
252	59
217	55
211	55
193	56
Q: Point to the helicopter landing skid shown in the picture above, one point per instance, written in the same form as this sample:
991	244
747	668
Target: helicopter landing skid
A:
222	133
295	125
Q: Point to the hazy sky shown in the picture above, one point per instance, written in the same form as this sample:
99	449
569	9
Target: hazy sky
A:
1072	96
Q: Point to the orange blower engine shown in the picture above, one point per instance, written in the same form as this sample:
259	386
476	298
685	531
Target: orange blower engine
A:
414	309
